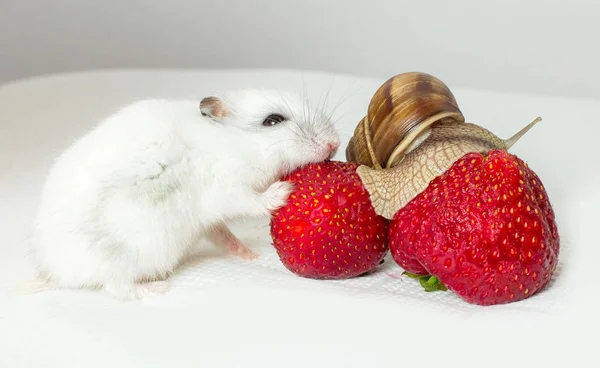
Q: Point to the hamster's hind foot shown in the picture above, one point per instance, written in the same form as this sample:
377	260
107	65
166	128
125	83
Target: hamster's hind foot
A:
34	286
128	292
222	236
239	249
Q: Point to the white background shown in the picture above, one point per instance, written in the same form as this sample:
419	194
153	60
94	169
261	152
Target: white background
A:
534	46
227	313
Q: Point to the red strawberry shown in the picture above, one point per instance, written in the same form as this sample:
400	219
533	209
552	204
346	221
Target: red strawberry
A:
485	229
329	229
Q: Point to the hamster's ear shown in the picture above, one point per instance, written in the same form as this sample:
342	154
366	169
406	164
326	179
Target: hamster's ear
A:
214	108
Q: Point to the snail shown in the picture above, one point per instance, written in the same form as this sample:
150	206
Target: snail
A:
413	132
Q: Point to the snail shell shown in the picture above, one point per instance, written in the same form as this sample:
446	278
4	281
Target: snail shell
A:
422	136
401	110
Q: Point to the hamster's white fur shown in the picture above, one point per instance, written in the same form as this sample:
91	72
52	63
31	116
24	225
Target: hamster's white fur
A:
123	206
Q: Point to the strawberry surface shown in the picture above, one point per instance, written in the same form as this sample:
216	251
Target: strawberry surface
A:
485	229
329	229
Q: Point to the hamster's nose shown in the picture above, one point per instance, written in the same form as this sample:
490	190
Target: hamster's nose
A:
332	147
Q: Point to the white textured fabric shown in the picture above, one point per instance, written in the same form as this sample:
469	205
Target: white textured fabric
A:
227	312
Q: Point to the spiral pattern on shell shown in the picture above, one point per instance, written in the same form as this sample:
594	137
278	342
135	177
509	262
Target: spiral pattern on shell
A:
403	108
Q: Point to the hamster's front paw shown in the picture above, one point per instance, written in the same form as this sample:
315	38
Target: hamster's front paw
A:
277	194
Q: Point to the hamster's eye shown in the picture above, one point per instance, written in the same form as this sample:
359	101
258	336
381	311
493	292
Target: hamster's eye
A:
273	119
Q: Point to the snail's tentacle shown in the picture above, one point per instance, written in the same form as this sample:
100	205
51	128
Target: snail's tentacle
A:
512	140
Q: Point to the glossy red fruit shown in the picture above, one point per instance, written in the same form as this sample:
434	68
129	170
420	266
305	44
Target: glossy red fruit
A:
485	229
329	229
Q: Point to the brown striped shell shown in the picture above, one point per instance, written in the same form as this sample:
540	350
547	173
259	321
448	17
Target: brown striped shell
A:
404	107
414	132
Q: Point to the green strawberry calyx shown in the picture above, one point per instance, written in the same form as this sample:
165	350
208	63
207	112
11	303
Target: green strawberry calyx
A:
428	282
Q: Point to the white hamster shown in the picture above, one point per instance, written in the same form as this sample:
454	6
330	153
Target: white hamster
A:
124	205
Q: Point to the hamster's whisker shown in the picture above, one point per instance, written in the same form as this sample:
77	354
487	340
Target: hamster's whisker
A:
294	118
268	148
305	98
326	99
279	142
343	99
338	119
286	103
336	107
319	107
321	131
292	115
295	132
